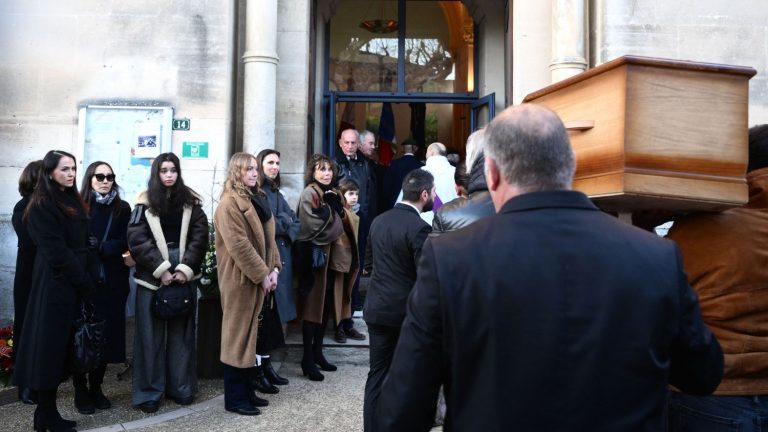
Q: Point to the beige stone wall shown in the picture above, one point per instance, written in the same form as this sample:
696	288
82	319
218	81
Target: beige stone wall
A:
734	32
60	55
532	47
730	32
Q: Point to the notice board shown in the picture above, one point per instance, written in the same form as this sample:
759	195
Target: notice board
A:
126	137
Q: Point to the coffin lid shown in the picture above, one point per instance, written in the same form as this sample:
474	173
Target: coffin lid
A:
644	61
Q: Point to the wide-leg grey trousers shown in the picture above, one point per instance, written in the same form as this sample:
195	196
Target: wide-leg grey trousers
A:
164	359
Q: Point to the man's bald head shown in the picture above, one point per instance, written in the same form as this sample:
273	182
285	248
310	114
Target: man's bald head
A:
348	142
436	149
531	149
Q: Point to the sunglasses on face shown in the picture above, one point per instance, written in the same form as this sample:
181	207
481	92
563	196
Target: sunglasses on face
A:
108	177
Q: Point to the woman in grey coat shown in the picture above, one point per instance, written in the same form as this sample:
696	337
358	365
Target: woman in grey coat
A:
286	230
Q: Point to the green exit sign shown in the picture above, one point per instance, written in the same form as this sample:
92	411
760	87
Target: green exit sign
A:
181	124
194	150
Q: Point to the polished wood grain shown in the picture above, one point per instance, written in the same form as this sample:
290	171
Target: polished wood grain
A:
656	133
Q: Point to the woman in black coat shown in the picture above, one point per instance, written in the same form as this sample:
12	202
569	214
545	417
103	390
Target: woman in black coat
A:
57	221
25	258
108	222
286	230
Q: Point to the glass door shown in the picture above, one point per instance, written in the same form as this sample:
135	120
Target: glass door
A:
393	121
482	112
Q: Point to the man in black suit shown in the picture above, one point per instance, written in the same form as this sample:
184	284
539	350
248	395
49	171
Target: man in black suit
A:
394	247
396	172
549	315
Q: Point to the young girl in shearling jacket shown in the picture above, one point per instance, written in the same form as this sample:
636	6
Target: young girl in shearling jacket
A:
168	237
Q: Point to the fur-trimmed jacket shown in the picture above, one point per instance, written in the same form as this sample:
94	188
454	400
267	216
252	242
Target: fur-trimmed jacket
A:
150	250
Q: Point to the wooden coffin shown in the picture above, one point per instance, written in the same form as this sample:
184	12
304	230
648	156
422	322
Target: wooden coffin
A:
653	133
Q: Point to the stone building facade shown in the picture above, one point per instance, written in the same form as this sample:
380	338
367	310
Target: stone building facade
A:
254	74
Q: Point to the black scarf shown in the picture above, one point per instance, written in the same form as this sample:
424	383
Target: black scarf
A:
260	203
324	188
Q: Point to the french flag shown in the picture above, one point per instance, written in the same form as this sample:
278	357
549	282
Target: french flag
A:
386	134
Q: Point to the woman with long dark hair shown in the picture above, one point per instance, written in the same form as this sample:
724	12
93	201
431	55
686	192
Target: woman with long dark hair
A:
57	222
286	230
25	259
168	237
108	223
248	265
324	286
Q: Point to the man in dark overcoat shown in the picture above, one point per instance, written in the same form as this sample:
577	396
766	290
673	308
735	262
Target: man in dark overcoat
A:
396	172
354	165
394	248
549	315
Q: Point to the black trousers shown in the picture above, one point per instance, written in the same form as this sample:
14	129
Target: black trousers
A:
383	340
236	387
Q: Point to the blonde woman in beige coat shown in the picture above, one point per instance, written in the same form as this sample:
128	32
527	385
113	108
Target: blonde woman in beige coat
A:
248	265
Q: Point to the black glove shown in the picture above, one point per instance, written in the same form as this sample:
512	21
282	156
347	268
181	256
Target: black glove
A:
334	202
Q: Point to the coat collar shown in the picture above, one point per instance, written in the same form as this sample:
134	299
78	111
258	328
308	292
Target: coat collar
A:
156	228
342	158
549	199
245	206
407	207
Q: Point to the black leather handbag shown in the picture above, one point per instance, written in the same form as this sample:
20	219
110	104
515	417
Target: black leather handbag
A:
270	333
89	340
174	301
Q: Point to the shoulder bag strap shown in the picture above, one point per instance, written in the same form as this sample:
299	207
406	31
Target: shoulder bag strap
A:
109	225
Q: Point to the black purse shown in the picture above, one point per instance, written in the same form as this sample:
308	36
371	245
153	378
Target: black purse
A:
270	333
89	340
173	301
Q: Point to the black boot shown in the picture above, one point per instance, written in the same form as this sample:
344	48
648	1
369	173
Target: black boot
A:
47	417
260	382
27	395
317	350
270	373
96	377
252	397
257	401
308	366
83	401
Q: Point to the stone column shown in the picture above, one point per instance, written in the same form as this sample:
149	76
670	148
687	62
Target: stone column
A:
569	42
260	71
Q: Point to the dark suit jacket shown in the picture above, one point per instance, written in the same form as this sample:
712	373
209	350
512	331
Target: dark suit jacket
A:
361	171
393	178
549	316
393	250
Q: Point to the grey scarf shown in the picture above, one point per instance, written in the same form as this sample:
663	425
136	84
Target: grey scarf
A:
105	199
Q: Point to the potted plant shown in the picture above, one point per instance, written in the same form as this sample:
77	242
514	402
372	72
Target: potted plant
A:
209	278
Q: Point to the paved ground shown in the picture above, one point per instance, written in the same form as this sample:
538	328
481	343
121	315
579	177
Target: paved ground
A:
335	404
